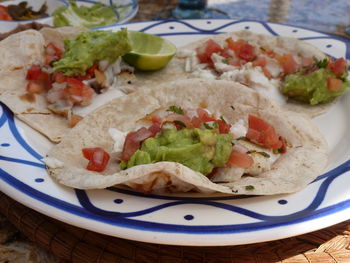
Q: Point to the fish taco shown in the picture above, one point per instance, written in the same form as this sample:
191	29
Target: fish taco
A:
191	135
51	78
293	73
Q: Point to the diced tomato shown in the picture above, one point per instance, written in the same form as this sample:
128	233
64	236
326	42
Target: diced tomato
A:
288	63
242	49
35	73
133	140
78	92
4	15
224	127
154	129
35	86
58	77
98	158
205	51
262	133
334	84
196	122
204	116
90	73
74	119
235	61
52	53
338	67
239	159
260	61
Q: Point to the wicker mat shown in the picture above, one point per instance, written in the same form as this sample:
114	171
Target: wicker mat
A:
73	244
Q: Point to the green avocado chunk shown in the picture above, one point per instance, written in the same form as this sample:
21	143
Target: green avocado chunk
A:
312	88
200	150
84	16
89	47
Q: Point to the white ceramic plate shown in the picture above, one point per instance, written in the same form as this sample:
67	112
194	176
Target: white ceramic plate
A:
124	10
188	219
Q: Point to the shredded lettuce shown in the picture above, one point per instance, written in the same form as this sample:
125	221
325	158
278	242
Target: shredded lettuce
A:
84	16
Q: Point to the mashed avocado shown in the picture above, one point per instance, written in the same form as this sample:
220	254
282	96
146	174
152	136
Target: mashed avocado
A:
91	46
84	16
312	88
200	150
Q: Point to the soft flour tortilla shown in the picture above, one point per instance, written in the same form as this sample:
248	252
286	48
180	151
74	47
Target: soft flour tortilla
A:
176	68
303	162
17	53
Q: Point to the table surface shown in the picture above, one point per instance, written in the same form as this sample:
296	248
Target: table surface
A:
332	16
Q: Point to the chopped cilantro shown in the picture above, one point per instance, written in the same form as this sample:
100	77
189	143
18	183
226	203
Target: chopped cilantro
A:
261	153
215	125
180	123
207	126
222	118
243	138
176	109
321	63
249	187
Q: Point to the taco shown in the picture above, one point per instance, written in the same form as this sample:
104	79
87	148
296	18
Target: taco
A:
293	73
49	77
191	135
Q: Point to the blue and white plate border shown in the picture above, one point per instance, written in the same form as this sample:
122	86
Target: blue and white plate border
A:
84	213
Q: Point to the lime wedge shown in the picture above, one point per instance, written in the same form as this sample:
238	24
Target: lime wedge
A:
149	52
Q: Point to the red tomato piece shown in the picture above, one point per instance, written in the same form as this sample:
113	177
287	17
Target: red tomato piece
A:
207	49
338	67
242	49
134	139
35	73
262	133
4	15
78	92
196	122
224	127
260	61
98	158
334	84
239	159
204	116
58	77
288	63
52	53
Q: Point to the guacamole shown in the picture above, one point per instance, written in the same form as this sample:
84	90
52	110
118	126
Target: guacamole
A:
200	150
88	47
312	88
84	16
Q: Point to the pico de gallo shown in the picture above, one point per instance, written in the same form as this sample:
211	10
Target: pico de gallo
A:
197	139
88	65
262	68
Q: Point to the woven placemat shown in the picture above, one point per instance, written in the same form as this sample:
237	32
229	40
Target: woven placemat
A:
73	244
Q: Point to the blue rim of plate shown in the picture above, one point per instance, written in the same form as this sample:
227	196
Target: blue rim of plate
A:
124	220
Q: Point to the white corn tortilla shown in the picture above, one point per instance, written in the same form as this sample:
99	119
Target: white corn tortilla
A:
17	53
302	163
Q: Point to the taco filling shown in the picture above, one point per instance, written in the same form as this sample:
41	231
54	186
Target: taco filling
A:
88	65
205	143
272	70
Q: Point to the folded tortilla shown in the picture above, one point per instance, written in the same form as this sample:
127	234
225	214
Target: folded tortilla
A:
17	53
304	161
176	68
